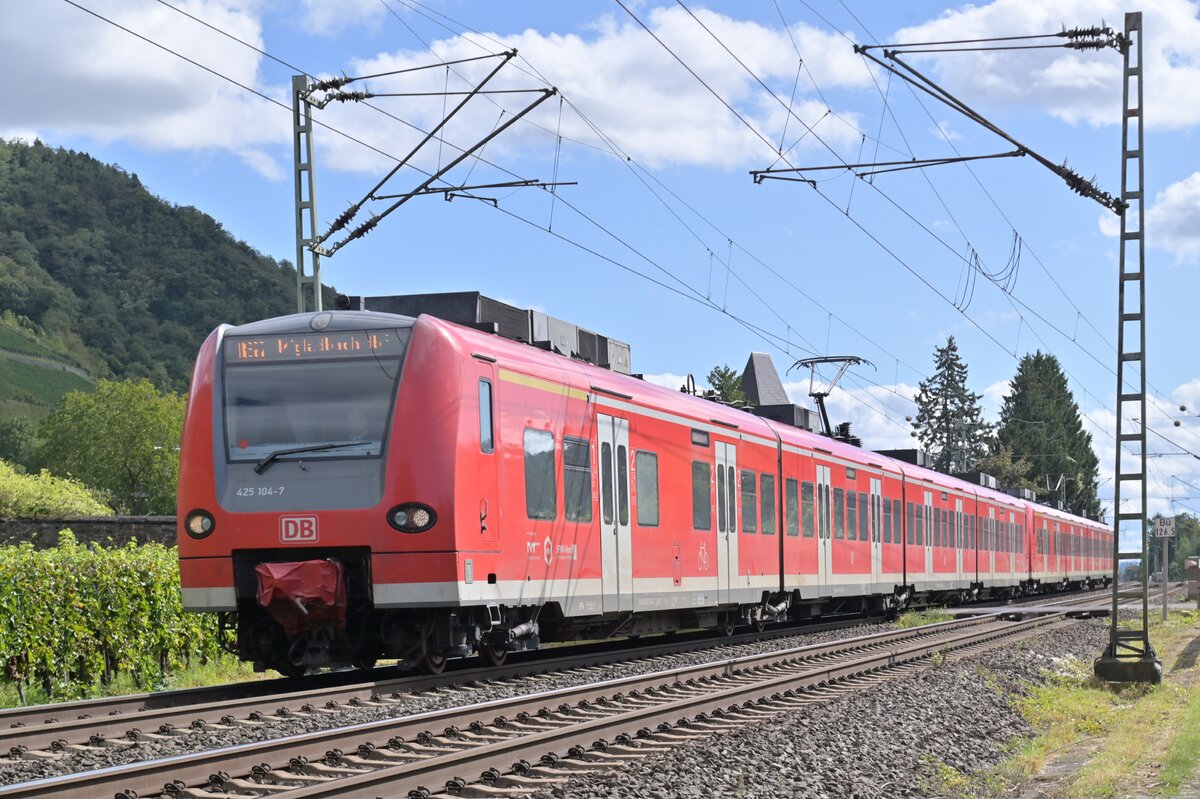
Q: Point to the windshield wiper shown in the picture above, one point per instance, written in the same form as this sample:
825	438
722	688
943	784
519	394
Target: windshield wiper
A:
262	465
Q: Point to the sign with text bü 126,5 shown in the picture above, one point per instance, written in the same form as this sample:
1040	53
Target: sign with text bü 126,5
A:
1162	527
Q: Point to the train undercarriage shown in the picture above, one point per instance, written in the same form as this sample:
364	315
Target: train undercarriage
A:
294	633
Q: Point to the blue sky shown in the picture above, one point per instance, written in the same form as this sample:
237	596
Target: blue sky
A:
665	242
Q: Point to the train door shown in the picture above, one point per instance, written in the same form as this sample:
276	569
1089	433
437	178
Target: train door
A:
616	540
487	478
824	528
876	529
929	535
957	538
727	538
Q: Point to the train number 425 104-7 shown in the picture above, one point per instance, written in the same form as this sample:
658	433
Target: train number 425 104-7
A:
261	491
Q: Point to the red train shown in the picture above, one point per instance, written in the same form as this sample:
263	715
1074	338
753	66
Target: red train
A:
357	485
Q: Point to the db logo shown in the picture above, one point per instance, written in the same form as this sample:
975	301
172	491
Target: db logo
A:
298	529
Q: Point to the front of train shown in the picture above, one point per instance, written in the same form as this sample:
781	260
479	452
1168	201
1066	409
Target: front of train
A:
291	430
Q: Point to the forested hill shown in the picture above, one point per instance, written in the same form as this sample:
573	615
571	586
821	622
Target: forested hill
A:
100	272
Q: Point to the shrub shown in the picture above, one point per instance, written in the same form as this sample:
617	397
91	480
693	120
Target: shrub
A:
75	616
33	496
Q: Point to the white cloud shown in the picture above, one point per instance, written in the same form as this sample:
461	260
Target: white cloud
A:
993	398
327	17
875	412
1172	221
627	85
1169	469
96	80
1073	86
666	380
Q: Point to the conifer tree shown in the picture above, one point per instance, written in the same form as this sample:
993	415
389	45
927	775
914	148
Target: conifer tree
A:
949	421
1040	423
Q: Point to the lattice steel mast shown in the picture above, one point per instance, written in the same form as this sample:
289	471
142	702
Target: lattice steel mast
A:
1129	656
306	195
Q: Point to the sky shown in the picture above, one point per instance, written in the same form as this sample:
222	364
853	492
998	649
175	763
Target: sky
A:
658	235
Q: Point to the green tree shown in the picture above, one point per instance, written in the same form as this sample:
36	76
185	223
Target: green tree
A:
17	435
949	421
727	383
1040	423
122	440
999	463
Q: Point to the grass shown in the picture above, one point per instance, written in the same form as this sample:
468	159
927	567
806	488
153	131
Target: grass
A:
225	669
1129	739
920	618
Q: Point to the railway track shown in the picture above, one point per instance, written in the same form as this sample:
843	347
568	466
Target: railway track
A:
409	752
111	720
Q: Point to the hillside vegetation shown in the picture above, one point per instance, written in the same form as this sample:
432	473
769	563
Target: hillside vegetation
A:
99	276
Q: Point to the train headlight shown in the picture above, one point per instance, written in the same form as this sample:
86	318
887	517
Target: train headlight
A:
412	517
199	524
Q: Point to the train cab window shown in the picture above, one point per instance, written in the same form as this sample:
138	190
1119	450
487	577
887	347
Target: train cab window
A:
646	466
806	508
701	495
912	524
540	488
622	485
887	521
839	513
864	517
486	440
791	499
767	487
851	514
749	502
577	479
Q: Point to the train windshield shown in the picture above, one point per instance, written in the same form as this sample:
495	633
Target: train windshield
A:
310	395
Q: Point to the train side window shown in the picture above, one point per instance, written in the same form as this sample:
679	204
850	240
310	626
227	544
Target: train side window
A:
749	502
839	513
864	517
937	527
486	440
622	485
920	525
577	479
701	495
731	479
792	506
767	501
1021	538
646	464
806	508
887	521
911	521
897	520
721	497
851	514
540	488
971	533
606	482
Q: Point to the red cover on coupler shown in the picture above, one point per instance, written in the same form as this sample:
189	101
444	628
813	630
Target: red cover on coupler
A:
303	596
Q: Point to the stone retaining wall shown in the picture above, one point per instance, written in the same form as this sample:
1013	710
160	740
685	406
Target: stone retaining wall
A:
104	530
